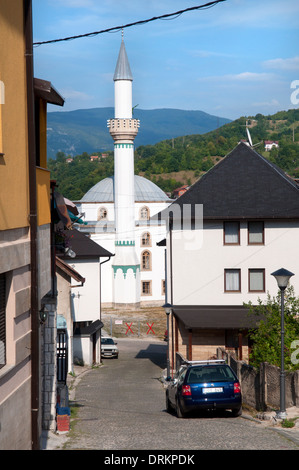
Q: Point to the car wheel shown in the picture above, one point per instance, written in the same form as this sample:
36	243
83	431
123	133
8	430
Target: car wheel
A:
168	405
237	412
179	411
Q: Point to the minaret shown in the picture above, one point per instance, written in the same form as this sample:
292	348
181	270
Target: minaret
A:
123	129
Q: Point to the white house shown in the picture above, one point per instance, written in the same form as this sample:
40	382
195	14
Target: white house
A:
85	306
250	228
270	144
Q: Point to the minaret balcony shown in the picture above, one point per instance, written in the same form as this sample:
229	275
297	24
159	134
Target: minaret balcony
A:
123	129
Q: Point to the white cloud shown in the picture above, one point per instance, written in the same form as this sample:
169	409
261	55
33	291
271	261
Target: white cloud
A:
241	77
77	95
267	103
291	63
205	53
248	76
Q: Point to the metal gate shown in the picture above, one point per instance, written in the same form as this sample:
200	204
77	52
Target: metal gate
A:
62	356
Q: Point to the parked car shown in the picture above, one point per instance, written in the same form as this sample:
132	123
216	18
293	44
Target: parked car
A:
108	347
204	385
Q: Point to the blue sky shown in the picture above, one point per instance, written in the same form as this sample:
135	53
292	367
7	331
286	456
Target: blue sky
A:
238	58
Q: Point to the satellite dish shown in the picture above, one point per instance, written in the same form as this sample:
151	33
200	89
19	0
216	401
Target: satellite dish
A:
250	140
249	137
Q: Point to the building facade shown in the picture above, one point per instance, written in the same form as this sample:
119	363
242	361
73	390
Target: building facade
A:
25	230
250	227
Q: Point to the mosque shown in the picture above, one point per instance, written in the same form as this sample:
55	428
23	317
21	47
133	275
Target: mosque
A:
118	212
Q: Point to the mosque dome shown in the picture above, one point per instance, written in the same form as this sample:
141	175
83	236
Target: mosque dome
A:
145	191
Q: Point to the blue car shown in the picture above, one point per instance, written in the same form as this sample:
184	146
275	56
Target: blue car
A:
204	385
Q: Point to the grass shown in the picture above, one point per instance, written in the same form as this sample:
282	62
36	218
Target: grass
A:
289	423
144	322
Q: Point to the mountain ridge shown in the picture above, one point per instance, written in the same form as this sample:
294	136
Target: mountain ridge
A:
85	130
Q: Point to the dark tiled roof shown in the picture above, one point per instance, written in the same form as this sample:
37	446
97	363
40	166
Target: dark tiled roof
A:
84	247
215	316
244	185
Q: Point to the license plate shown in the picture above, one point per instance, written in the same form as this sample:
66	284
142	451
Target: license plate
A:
212	390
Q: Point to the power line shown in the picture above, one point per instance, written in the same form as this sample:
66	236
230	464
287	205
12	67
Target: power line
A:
136	23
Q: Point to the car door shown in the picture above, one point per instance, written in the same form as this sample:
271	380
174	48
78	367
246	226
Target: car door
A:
175	383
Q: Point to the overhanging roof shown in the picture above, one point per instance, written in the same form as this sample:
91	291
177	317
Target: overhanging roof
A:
66	268
84	247
90	329
214	317
44	90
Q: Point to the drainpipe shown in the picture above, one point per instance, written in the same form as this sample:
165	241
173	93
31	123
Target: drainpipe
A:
35	437
171	292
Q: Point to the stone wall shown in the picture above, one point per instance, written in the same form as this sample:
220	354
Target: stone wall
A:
49	367
261	387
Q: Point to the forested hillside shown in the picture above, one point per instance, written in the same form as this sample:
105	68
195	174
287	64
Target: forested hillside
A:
172	163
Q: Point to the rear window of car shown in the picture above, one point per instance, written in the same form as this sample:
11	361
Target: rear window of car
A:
107	341
219	373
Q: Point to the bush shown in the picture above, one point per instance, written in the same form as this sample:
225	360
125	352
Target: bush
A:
266	338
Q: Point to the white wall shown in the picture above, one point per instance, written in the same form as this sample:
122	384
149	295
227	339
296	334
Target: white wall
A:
86	299
198	272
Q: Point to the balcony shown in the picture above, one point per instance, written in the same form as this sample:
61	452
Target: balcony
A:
123	129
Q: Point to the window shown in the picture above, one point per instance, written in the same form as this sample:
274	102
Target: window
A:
146	261
146	287
255	233
163	287
102	213
232	280
144	213
2	320
256	280
146	239
231	233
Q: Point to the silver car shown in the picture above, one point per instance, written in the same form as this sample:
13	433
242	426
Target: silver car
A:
108	347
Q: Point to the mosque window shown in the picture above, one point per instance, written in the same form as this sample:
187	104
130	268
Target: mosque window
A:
102	213
146	239
146	261
146	288
144	213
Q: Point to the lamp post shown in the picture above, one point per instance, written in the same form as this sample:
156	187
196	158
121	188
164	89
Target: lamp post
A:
282	277
167	308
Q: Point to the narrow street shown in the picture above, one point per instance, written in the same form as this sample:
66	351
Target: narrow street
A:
121	406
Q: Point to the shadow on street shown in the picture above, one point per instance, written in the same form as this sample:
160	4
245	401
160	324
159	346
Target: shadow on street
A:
156	353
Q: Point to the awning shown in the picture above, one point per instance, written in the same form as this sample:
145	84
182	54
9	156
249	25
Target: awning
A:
71	207
215	317
89	330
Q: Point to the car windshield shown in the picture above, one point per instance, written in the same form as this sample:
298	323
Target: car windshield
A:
219	373
107	341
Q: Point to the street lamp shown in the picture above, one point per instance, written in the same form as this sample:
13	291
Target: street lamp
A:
167	308
282	277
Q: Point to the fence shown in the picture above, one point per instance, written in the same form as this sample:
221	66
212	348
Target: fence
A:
260	388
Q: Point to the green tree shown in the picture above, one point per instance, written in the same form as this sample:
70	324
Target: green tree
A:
266	337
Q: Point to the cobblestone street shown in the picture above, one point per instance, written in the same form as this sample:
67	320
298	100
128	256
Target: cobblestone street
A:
121	407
